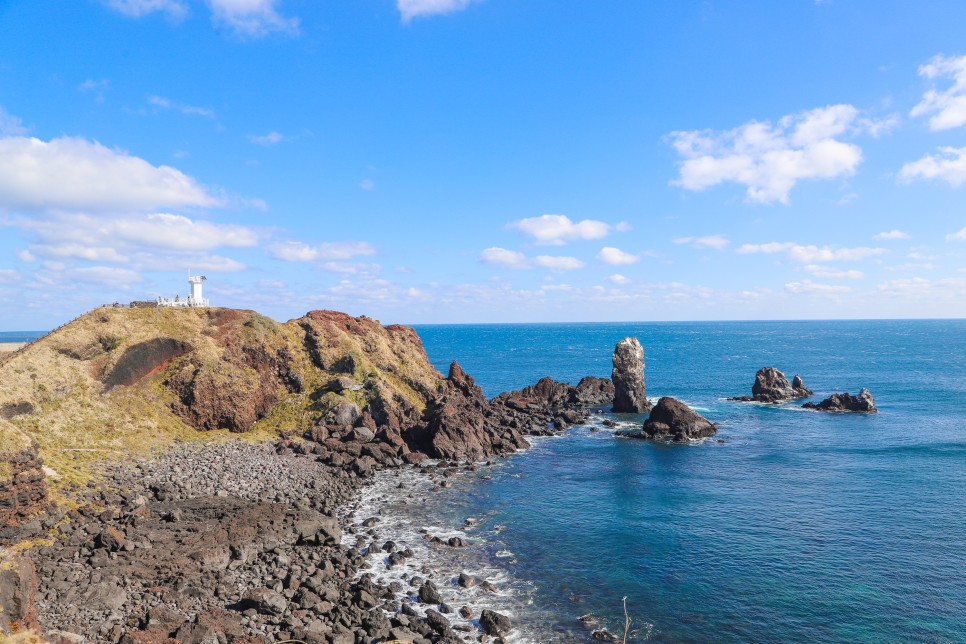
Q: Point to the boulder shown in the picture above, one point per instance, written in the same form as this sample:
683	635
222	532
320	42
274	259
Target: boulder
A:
628	377
673	420
494	623
264	600
864	402
772	386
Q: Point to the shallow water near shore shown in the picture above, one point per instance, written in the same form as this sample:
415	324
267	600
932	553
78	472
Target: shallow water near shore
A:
800	526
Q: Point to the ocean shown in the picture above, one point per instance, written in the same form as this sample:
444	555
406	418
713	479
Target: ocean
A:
789	526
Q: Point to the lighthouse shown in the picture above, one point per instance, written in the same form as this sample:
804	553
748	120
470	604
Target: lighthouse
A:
196	299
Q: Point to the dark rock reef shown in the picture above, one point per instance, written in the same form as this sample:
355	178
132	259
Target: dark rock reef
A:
864	402
671	419
772	386
628	377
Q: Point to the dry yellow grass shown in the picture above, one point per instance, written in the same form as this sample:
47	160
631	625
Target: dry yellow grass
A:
78	424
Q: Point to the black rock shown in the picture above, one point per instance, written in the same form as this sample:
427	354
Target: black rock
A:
864	402
494	623
672	419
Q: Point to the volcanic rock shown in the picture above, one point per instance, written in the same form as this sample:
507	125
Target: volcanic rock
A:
864	402
673	420
18	586
494	623
772	386
628	377
23	485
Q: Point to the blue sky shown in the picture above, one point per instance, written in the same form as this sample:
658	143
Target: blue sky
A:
485	160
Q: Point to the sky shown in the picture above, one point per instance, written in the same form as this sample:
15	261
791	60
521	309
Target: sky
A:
449	161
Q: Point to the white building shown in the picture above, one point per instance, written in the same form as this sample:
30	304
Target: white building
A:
194	300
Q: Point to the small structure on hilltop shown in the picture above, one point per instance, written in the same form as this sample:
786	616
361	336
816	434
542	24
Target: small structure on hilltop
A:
194	300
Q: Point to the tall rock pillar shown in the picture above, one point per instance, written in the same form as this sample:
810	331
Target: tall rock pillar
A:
628	377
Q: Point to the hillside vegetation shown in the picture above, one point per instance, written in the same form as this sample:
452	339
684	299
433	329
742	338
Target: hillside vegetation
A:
120	381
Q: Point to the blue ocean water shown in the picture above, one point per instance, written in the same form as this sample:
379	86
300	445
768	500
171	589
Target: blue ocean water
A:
799	526
20	336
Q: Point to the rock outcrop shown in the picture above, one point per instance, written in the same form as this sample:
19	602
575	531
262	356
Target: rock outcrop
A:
772	386
671	419
18	587
864	402
458	427
23	485
628	377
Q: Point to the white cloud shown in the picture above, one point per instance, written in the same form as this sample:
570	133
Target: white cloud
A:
557	229
103	275
946	109
949	165
76	174
617	278
175	9
810	287
10	125
717	242
504	257
826	272
812	254
771	159
513	259
251	18
558	263
410	9
294	251
891	234
623	226
616	257
188	110
272	138
959	236
557	287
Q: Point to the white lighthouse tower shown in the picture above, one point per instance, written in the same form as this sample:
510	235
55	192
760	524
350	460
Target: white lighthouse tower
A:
196	299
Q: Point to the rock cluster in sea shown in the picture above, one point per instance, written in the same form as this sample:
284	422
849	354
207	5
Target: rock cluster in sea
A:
771	386
863	402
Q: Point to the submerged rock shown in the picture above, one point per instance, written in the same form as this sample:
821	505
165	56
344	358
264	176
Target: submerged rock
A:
628	377
673	420
772	386
864	402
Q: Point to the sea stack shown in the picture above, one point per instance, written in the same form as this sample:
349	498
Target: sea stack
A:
628	377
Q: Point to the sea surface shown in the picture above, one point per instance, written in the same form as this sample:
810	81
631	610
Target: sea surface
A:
20	336
795	526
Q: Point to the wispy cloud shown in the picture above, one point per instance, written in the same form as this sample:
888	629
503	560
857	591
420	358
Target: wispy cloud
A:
10	125
410	9
251	18
811	254
175	9
272	138
957	236
891	235
163	103
948	165
771	159
616	257
716	242
295	251
826	272
945	108
513	259
558	229
813	288
97	88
